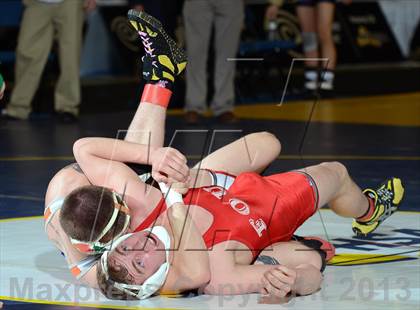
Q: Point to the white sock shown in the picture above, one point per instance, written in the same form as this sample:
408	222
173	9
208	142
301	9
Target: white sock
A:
311	79
327	80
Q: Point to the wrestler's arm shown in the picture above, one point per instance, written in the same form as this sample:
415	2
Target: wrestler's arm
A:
89	278
302	262
279	282
229	278
73	257
190	265
102	158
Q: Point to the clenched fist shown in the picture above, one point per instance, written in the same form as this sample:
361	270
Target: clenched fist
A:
169	166
279	282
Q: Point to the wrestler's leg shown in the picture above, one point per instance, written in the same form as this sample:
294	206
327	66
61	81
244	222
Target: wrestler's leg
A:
162	62
148	125
337	189
253	152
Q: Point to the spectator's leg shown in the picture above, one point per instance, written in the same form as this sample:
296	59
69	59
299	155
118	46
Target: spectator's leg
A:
69	21
198	18
307	21
228	23
325	19
34	44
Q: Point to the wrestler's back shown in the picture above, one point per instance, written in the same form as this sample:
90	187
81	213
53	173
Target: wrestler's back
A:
64	182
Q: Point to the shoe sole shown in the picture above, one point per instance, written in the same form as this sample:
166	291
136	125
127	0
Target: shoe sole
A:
360	234
177	53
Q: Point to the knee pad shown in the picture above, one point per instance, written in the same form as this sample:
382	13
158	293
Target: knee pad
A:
309	41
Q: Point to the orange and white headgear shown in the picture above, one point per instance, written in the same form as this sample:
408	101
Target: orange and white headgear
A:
97	247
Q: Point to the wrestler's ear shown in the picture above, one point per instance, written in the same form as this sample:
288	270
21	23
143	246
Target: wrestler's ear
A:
107	288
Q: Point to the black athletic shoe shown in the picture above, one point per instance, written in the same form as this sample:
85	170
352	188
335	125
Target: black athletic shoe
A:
164	59
7	117
67	118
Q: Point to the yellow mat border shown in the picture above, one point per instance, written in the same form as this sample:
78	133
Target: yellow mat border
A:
73	304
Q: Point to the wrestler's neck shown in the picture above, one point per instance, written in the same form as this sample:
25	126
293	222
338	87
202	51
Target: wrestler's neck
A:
142	209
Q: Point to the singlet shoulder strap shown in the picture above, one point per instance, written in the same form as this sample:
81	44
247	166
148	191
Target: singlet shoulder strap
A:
151	218
80	268
222	179
52	209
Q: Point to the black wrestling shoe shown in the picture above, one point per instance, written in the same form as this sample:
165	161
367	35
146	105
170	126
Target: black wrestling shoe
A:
7	117
163	59
67	118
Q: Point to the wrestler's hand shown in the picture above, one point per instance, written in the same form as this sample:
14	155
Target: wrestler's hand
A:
278	282
181	187
169	165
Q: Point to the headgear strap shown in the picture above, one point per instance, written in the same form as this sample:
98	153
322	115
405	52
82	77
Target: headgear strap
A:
95	247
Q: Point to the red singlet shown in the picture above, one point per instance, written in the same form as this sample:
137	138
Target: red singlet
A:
256	211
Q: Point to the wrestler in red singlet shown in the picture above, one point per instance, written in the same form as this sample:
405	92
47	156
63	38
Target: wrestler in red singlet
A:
255	210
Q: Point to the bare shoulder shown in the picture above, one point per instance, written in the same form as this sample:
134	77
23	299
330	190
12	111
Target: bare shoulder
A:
64	181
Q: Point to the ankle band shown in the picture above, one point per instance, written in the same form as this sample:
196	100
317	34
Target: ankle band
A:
371	209
156	94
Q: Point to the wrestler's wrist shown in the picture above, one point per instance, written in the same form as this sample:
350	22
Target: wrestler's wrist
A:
178	209
308	280
178	212
171	197
152	151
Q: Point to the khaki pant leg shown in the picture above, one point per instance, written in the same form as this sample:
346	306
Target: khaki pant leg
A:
228	25
198	20
34	44
68	21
